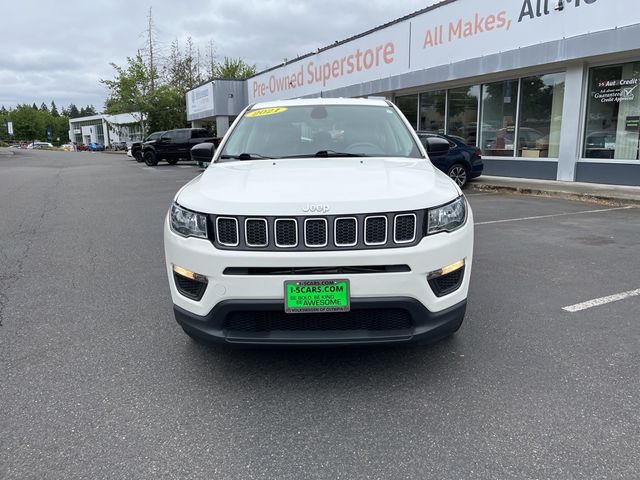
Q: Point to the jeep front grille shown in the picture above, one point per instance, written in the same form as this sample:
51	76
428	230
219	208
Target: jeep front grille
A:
346	232
255	231
329	232
286	232
315	232
375	230
404	230
227	231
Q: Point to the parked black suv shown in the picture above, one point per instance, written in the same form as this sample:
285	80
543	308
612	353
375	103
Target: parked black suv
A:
136	147
174	145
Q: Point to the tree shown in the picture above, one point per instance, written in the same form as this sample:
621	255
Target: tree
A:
87	111
151	48
182	69
44	108
130	90
4	117
234	69
54	110
28	123
168	109
73	111
60	128
34	106
210	61
156	90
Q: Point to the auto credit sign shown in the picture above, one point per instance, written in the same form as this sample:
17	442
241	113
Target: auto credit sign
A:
452	32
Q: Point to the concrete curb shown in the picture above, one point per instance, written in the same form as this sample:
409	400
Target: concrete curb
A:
5	151
602	199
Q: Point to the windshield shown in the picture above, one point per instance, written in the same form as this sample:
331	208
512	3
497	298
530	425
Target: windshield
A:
153	136
320	131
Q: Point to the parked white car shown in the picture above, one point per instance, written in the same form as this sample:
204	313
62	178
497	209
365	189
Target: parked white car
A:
39	145
296	235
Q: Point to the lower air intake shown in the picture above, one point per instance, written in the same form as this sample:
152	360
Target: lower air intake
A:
377	319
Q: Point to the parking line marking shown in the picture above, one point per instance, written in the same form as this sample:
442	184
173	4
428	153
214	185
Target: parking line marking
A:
596	302
555	215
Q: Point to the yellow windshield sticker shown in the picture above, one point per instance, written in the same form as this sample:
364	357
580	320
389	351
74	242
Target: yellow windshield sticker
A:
266	111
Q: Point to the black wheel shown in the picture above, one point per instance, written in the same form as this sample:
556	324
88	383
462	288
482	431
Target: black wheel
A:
459	174
150	158
138	156
172	161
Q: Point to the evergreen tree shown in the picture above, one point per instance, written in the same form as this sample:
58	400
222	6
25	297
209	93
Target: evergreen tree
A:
54	110
44	108
34	106
73	111
234	69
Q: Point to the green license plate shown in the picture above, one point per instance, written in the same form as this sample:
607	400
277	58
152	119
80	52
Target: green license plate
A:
315	296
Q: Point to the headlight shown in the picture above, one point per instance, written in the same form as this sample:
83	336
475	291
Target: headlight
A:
187	223
447	218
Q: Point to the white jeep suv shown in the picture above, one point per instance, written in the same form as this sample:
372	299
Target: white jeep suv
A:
320	222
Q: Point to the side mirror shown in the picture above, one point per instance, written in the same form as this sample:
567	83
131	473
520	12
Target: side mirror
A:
437	146
203	151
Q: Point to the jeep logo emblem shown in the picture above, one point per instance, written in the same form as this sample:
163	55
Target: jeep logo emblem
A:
318	208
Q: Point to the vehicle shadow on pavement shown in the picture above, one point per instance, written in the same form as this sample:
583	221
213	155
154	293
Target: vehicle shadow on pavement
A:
337	367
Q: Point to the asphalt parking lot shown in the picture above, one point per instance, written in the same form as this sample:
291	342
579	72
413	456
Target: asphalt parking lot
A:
98	381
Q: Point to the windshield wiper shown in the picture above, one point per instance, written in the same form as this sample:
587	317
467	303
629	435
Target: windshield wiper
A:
327	154
245	156
333	153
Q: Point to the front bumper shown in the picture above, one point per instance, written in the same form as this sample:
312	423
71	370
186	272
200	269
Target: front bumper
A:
422	326
408	291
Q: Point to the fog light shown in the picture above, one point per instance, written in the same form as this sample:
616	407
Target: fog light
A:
183	272
447	279
189	284
446	270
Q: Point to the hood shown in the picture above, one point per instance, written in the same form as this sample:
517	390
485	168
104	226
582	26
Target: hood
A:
330	186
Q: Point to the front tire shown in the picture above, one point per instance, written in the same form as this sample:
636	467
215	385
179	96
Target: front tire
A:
459	174
150	158
138	156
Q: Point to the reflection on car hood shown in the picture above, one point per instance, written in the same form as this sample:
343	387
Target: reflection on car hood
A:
285	187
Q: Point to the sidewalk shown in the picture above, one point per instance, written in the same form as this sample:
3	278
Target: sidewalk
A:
5	151
587	192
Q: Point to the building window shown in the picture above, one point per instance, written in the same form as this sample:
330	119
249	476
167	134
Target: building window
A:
541	100
613	112
462	113
497	126
432	111
408	105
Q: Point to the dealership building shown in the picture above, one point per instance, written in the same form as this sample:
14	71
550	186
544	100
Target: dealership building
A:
106	129
547	89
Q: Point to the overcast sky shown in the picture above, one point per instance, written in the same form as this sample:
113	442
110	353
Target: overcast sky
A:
59	50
